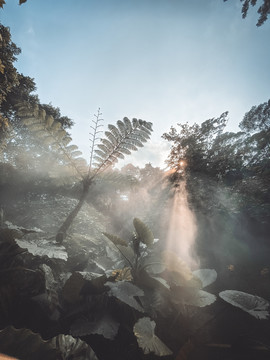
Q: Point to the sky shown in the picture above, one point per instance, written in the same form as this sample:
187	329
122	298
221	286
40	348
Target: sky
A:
164	61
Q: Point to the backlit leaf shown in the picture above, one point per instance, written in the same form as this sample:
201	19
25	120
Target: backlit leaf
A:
43	247
144	330
252	304
191	296
144	233
207	276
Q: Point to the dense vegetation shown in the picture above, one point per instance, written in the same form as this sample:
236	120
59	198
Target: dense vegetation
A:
81	266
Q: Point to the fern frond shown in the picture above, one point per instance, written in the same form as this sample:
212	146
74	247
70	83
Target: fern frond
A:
121	127
49	140
120	141
101	154
108	144
76	153
129	146
124	150
66	140
119	155
35	127
42	114
71	148
50	133
98	159
116	133
49	121
56	126
128	124
111	138
135	142
61	134
103	148
29	121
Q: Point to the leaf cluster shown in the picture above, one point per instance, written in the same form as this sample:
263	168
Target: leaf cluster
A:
263	10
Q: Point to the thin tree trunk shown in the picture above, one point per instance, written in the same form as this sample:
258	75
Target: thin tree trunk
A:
62	232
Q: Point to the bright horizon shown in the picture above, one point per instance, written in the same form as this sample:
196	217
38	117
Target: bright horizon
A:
167	62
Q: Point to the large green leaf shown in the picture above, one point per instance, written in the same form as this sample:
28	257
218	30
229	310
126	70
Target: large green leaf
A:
191	296
115	239
252	304
43	247
73	287
144	233
207	276
104	325
144	330
125	292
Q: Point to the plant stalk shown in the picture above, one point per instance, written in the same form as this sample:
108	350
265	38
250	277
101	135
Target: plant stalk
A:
62	232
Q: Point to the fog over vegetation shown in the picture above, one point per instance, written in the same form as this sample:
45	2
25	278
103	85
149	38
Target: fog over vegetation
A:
99	261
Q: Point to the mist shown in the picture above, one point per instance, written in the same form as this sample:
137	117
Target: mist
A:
117	242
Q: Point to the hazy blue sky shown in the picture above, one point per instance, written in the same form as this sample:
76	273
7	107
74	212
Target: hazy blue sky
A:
165	61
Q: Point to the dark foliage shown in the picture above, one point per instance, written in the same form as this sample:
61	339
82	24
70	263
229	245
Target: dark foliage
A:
263	10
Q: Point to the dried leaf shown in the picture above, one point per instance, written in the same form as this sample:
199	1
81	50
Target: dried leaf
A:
252	304
144	330
122	274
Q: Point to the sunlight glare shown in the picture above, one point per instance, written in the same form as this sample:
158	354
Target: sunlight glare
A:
182	228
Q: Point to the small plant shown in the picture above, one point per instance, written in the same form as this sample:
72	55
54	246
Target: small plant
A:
142	240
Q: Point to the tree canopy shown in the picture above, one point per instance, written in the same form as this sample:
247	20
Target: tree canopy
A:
208	149
16	88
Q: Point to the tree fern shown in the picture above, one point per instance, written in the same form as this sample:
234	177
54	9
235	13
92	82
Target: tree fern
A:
119	140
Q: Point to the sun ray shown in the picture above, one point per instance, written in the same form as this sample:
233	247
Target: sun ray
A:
182	229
